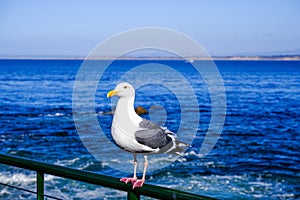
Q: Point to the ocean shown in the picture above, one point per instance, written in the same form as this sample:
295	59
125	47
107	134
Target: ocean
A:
256	156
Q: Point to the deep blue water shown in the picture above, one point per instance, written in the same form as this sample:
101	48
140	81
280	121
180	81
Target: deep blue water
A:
256	157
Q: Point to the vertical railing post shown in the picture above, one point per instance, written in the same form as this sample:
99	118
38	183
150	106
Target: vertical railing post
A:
40	185
131	195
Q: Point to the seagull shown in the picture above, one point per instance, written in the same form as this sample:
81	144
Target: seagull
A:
137	135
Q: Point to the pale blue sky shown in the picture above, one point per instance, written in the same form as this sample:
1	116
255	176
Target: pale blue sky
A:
74	28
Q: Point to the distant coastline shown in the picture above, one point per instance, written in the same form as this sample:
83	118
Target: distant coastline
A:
189	59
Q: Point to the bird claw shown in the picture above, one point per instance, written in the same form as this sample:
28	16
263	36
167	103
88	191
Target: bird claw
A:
135	183
127	180
138	183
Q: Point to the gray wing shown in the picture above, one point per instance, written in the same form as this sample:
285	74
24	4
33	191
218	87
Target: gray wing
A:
148	124
152	135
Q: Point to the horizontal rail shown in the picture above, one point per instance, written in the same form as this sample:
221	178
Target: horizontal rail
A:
97	179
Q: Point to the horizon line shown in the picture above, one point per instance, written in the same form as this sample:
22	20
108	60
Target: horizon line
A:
189	58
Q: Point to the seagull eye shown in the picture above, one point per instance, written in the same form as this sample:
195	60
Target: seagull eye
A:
125	87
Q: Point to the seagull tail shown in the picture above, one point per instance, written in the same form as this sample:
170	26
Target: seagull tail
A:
178	148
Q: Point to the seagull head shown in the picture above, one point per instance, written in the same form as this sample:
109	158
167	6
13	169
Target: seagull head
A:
122	90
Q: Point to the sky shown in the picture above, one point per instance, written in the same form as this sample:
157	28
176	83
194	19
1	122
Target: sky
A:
74	28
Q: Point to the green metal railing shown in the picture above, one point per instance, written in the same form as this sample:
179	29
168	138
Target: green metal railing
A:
92	178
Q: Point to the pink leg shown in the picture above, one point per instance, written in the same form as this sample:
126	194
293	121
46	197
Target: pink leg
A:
139	183
134	178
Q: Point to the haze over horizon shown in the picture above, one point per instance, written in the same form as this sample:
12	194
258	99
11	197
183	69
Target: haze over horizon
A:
223	28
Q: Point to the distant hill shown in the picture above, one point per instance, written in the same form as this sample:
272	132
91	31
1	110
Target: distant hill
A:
294	52
150	54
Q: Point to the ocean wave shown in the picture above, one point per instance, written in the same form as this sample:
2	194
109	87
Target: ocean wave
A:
55	115
54	186
227	186
18	179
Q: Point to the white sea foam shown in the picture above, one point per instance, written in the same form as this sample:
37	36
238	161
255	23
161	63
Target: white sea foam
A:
67	162
4	192
18	179
22	179
55	115
225	187
55	186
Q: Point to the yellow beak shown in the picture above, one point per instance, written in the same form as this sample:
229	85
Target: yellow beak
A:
112	93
